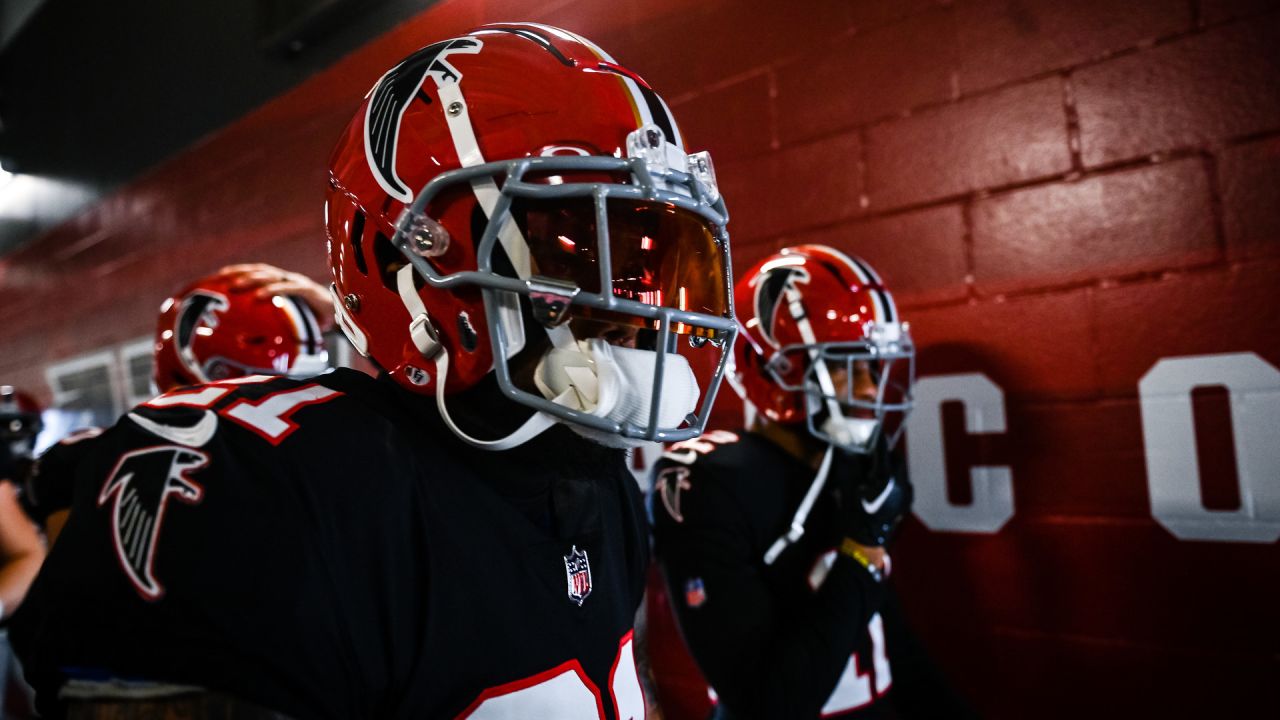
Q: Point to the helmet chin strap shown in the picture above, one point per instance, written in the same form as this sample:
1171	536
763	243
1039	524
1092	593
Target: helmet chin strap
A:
425	341
825	383
828	387
421	332
534	426
796	531
487	195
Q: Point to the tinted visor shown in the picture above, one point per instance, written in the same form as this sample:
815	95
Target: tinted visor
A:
861	377
659	255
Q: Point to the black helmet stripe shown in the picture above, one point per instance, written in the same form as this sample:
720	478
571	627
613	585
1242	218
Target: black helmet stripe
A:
658	110
310	329
544	42
886	302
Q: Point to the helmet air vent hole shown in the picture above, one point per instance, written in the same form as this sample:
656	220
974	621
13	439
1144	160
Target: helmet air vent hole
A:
467	332
357	242
389	260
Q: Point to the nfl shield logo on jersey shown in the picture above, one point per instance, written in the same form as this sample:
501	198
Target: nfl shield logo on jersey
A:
577	572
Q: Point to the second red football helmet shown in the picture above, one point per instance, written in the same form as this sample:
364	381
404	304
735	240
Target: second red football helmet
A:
813	318
219	327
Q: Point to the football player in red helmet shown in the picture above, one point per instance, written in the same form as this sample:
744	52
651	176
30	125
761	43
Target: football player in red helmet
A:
518	239
234	323
775	536
249	319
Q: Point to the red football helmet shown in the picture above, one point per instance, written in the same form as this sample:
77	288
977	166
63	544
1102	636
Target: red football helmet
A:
218	328
813	318
500	183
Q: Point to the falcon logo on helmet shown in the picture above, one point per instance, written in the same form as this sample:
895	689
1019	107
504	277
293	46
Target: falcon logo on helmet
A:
770	290
392	95
197	310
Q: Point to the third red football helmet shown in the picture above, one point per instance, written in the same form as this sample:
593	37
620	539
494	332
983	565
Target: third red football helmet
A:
811	316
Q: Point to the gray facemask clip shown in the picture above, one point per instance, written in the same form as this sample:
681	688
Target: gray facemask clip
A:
550	299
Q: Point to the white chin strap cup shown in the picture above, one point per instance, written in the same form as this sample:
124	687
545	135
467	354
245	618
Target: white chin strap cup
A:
615	383
852	434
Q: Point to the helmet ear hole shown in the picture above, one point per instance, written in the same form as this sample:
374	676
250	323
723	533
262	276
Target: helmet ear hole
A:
357	242
389	261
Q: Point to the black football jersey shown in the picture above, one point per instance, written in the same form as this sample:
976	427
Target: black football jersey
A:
328	549
800	638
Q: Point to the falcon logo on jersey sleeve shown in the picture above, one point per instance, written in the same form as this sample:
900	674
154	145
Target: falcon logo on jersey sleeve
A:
577	571
139	488
671	482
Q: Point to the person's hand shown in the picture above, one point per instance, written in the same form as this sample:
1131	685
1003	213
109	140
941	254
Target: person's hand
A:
270	280
876	500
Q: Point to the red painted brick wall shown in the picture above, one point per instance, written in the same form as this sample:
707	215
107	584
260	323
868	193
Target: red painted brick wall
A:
1062	193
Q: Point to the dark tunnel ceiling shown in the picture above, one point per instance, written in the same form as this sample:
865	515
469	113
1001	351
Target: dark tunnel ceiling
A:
94	93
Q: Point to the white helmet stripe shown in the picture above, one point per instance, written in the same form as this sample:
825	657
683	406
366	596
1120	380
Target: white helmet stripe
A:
301	331
878	304
487	194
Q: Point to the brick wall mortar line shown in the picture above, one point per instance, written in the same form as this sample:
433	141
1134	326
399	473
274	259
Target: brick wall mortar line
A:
721	84
966	237
775	141
1092	285
1093	329
998	190
1109	281
1249	138
864	200
1143	46
1073	122
1217	208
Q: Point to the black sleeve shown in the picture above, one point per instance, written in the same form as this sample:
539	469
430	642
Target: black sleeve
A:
919	689
762	660
638	536
50	483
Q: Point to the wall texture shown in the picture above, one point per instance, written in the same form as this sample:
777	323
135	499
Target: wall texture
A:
1061	193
